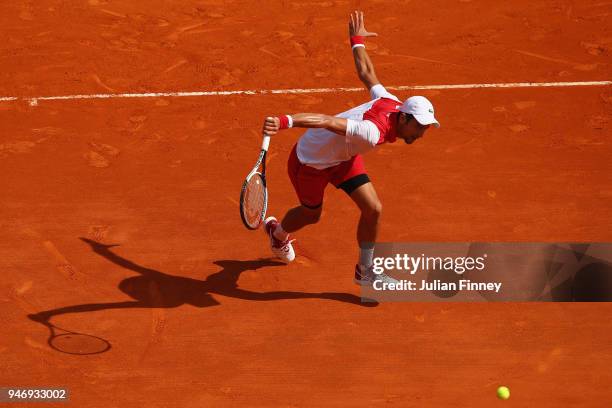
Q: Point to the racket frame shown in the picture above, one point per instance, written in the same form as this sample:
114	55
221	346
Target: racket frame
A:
260	161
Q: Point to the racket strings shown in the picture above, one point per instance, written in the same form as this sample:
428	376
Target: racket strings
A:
254	200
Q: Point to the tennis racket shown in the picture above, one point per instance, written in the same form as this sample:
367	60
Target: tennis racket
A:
254	193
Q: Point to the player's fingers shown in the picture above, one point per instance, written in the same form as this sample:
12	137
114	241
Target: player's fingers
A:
271	123
268	124
371	35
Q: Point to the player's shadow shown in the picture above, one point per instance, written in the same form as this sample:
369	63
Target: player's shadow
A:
155	289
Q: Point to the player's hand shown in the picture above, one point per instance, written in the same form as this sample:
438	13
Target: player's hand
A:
357	25
271	126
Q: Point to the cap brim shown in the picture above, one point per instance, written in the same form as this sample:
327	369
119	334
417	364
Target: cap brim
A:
427	120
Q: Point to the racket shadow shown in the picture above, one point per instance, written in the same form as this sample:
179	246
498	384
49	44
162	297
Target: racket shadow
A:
155	289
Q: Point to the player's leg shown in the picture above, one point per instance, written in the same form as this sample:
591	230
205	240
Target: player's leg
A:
295	219
371	209
299	217
363	194
354	180
351	177
309	184
367	230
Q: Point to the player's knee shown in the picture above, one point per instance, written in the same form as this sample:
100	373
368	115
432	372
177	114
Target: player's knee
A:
311	215
373	211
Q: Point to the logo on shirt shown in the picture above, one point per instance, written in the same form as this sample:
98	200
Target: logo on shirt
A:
430	110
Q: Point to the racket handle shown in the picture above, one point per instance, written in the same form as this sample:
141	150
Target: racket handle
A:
265	143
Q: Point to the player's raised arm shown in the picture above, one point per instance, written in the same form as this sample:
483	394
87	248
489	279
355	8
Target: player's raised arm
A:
363	64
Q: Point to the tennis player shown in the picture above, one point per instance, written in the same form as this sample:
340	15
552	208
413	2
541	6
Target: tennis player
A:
331	152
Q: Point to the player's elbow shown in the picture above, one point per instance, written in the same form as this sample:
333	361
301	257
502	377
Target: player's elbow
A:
368	79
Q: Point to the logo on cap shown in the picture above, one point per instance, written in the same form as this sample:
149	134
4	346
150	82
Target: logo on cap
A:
430	110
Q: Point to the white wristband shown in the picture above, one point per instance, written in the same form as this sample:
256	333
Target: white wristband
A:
290	124
357	45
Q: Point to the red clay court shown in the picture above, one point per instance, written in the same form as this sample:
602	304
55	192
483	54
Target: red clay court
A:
196	312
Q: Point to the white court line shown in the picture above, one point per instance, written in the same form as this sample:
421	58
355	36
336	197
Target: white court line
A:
35	99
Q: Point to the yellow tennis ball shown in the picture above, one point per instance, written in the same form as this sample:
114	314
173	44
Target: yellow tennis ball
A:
503	393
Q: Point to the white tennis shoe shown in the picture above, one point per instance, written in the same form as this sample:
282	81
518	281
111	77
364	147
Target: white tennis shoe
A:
368	277
283	250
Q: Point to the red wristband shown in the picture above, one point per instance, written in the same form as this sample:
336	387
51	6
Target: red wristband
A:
357	39
284	122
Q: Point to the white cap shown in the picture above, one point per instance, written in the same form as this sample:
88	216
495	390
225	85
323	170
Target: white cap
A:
421	109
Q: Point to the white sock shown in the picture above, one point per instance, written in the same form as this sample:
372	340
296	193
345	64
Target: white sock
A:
366	257
279	233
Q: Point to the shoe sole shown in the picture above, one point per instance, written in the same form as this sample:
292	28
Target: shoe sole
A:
366	282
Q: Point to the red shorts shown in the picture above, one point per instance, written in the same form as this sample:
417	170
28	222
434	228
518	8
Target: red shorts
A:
309	183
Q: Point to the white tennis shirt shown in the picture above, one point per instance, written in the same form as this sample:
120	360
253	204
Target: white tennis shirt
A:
368	125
